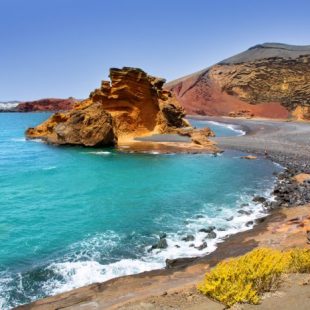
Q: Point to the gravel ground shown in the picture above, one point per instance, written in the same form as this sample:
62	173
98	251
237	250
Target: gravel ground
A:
287	143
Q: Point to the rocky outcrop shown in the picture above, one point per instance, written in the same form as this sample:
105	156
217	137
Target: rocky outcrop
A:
268	80
132	105
48	104
91	126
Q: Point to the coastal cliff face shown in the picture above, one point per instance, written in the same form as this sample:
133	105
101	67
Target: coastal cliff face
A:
133	104
268	80
48	104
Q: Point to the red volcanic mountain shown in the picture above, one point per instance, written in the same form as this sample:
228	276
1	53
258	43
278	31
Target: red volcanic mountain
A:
268	80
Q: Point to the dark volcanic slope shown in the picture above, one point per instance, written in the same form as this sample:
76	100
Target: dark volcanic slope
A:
268	50
267	80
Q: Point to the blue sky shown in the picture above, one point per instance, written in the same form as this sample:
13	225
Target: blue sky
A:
62	48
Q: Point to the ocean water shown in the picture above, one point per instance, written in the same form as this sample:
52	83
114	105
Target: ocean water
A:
70	216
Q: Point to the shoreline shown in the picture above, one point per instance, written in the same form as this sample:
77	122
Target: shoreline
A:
179	269
286	143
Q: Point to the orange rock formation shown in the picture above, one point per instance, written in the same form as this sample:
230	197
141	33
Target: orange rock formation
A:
132	105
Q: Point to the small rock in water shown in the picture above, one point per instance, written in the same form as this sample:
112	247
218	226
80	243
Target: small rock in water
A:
259	199
163	236
211	235
191	245
243	212
202	246
161	244
249	223
229	218
199	216
261	220
207	230
244	205
177	246
188	238
221	229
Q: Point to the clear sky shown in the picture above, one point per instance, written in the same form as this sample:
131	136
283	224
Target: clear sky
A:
62	48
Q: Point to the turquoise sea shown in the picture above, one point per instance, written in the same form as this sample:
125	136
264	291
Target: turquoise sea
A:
70	216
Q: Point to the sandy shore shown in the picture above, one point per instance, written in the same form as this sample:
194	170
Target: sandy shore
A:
287	143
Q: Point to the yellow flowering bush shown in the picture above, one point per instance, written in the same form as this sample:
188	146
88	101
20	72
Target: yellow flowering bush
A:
299	260
245	278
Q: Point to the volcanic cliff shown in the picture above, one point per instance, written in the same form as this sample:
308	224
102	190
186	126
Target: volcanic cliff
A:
47	104
268	80
132	105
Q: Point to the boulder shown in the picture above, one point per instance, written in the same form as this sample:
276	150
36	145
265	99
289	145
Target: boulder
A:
188	238
244	212
249	223
161	244
259	199
91	126
211	235
207	230
202	246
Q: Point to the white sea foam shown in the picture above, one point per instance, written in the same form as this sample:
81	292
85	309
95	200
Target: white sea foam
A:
5	279
37	140
151	152
85	269
229	126
278	165
50	168
77	274
18	139
82	264
100	153
178	248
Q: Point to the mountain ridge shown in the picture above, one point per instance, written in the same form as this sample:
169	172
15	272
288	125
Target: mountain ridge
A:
267	80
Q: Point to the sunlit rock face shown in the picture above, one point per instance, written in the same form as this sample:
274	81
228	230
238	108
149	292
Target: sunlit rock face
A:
132	104
268	80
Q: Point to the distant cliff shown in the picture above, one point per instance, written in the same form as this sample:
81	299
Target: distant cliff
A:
47	104
268	80
41	105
